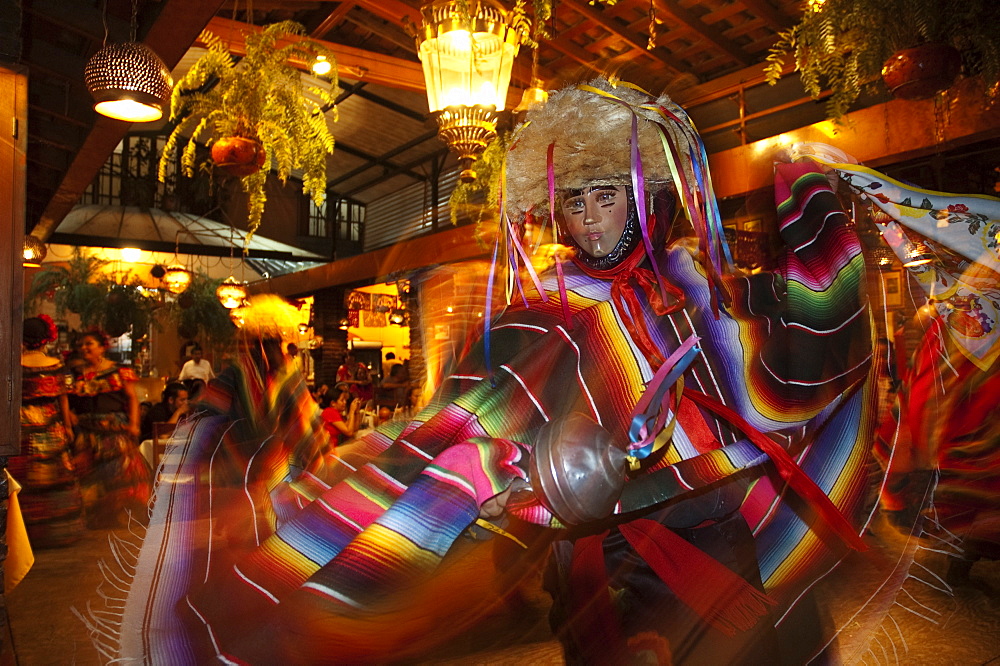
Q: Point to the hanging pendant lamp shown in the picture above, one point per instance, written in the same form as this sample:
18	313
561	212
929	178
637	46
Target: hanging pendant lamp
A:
231	293
128	82
34	251
466	49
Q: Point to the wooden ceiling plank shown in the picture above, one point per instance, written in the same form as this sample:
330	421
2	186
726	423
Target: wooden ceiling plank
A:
573	52
710	33
384	29
392	10
384	157
61	117
332	20
50	159
57	63
635	40
412	164
771	16
744	29
352	63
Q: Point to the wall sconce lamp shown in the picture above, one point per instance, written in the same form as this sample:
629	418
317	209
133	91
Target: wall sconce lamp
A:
917	255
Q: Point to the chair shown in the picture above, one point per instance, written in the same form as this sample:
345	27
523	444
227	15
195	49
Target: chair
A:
162	433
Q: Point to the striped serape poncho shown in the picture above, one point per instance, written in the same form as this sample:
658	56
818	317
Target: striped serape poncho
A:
263	548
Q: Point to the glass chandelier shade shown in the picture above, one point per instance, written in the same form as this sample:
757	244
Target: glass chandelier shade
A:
467	60
177	279
231	293
34	251
129	82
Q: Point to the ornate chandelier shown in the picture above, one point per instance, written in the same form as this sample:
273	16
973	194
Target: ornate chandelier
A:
467	50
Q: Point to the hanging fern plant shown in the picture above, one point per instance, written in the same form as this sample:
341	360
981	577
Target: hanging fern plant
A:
842	45
262	98
81	287
199	314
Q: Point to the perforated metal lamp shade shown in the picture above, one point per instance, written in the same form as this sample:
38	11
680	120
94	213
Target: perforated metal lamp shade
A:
128	82
34	251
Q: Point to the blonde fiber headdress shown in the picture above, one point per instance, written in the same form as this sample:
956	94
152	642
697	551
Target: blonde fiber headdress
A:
589	127
612	132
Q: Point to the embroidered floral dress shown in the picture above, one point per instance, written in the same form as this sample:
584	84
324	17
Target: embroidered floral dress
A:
50	500
113	474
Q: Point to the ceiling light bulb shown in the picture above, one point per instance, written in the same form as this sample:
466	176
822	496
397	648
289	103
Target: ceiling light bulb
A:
131	254
322	66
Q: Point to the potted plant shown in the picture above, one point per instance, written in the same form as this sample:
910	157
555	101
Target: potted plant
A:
258	113
115	305
198	314
844	45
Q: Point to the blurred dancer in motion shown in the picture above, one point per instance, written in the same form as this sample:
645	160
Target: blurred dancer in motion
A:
729	416
50	500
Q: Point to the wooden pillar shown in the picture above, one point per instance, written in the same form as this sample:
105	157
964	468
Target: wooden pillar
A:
328	310
13	144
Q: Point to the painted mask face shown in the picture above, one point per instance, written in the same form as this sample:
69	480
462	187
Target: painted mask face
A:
596	217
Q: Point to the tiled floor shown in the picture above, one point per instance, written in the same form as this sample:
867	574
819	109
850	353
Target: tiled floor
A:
924	626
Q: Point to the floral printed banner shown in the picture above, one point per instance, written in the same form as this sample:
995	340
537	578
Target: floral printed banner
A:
968	224
966	294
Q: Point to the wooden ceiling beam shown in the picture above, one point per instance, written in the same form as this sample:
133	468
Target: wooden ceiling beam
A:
352	63
51	159
387	30
375	161
709	33
887	133
575	53
384	158
771	16
332	20
57	63
55	115
636	40
394	11
412	164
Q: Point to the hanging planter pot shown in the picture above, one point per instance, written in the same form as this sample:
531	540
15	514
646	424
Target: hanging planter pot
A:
922	71
238	156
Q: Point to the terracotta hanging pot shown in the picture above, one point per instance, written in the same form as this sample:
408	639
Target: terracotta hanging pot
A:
922	71
238	156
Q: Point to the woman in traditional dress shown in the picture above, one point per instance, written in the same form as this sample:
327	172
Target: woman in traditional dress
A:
50	499
114	478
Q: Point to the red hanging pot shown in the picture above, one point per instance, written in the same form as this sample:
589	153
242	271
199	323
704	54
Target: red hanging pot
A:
922	71
238	156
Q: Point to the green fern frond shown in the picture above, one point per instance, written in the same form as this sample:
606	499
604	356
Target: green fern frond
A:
261	97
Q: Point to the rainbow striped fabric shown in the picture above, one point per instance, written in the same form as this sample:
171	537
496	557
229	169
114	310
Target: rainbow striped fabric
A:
261	548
